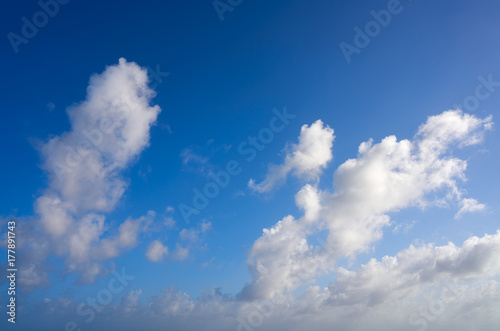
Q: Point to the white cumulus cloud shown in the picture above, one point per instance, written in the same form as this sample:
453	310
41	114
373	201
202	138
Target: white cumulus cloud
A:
306	159
468	206
109	129
156	251
385	177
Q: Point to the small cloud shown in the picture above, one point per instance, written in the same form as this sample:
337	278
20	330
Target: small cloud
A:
189	156
469	206
144	171
205	226
169	209
50	107
195	162
307	159
181	253
156	251
206	264
189	235
238	193
403	227
131	302
166	127
169	222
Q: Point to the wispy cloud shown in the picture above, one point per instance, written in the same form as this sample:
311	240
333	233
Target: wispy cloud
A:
109	130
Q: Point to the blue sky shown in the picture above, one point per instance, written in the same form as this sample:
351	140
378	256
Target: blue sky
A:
213	84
